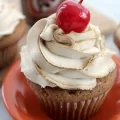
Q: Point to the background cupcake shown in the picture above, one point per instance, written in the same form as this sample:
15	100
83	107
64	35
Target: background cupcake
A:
12	29
67	64
37	9
117	36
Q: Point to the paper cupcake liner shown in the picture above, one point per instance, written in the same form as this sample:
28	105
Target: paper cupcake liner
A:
8	55
72	110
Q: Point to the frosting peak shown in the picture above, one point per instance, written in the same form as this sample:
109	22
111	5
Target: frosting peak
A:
69	61
52	32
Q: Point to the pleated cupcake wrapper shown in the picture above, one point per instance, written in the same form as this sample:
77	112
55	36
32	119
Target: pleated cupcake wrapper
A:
72	110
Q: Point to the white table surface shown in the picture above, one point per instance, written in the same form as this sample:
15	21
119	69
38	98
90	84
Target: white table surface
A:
108	7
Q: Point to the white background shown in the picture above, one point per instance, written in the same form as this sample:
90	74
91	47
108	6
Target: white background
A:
108	7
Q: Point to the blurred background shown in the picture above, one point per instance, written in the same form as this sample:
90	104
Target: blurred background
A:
110	8
105	14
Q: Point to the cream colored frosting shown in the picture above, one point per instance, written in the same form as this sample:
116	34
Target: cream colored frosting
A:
9	18
69	61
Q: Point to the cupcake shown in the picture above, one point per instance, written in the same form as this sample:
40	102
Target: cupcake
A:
67	64
12	28
117	36
37	9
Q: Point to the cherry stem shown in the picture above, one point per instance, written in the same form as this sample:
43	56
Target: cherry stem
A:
81	1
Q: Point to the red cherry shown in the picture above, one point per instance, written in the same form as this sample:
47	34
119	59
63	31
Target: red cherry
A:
72	16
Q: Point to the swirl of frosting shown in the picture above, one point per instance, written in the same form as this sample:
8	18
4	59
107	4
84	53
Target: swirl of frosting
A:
69	61
9	18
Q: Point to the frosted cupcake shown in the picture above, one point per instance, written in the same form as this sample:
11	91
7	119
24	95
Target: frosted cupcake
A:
67	64
117	36
12	29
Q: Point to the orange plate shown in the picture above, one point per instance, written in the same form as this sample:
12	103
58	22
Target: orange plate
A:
22	104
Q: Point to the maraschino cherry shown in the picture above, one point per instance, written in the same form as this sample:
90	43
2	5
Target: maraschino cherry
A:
72	16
